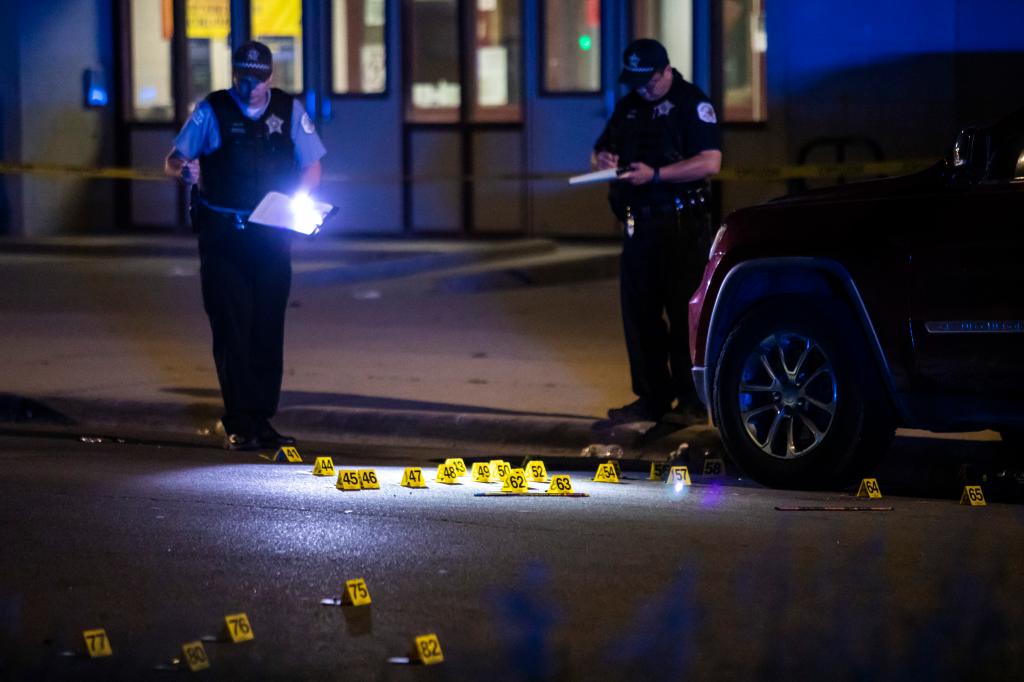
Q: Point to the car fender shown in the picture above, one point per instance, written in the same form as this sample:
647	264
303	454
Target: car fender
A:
753	281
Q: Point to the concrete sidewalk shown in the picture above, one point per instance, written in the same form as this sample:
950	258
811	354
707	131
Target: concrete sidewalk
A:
509	345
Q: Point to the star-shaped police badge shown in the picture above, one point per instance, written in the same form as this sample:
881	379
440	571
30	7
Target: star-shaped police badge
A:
274	124
662	109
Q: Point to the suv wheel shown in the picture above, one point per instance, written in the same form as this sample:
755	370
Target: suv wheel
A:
797	396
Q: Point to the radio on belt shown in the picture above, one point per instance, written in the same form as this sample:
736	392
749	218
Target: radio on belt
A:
298	213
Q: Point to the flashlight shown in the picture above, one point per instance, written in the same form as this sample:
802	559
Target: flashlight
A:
306	218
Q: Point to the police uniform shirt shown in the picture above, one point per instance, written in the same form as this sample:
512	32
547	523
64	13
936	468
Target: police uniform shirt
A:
680	125
200	136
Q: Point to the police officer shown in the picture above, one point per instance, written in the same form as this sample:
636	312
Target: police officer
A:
664	137
238	145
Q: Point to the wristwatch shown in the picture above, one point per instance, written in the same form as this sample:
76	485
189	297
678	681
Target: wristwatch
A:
657	175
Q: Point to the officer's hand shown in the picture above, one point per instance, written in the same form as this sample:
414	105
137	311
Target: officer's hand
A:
638	174
606	160
190	172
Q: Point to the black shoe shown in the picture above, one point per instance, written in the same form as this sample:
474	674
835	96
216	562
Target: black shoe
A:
270	438
637	411
687	413
240	441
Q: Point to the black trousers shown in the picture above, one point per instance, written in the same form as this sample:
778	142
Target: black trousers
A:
246	278
661	266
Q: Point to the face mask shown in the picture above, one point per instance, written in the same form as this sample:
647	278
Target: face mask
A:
246	84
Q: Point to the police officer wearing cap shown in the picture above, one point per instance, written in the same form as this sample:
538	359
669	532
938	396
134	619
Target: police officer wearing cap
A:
238	145
664	138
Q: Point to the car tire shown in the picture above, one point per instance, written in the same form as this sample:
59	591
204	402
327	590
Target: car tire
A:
828	422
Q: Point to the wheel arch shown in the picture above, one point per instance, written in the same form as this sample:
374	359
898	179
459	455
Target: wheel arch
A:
757	281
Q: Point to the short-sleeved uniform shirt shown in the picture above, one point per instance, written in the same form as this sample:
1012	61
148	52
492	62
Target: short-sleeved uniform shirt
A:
200	136
678	126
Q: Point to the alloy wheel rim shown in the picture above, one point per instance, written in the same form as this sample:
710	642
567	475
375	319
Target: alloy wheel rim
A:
787	395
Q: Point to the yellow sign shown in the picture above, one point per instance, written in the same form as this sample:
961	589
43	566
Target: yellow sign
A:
288	454
428	649
97	644
413	478
348	480
869	488
618	467
560	485
195	656
537	472
481	472
368	479
973	496
679	476
459	464
447	474
499	470
606	473
238	627
208	18
324	466
277	18
657	471
515	482
714	466
356	592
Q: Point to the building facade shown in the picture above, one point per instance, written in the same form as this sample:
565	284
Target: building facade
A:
463	117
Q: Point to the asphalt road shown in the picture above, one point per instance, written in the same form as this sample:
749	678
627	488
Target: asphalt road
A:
157	542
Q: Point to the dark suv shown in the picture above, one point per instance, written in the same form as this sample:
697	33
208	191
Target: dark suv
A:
827	319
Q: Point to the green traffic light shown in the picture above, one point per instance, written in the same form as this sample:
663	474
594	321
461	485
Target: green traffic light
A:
585	42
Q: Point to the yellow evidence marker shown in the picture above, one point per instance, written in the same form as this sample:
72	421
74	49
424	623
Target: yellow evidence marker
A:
679	476
499	470
657	471
713	466
194	655
459	464
606	473
238	627
324	466
368	479
536	471
973	496
356	593
412	477
348	479
560	485
481	472
288	454
515	482
427	649
869	488
447	474
97	644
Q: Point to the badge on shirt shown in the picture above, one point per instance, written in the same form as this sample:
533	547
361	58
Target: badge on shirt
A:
663	109
274	124
307	124
706	112
198	115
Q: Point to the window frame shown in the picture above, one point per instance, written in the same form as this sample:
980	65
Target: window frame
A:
542	28
328	11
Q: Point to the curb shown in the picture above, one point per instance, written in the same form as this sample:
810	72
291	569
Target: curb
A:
187	421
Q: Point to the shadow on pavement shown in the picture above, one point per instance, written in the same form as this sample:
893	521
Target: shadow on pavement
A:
351	400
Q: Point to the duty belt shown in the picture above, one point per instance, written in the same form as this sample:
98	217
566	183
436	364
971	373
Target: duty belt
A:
239	217
693	200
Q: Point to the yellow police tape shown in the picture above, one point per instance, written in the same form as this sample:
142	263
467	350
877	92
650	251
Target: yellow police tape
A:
747	174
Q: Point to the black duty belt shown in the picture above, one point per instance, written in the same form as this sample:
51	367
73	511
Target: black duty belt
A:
693	200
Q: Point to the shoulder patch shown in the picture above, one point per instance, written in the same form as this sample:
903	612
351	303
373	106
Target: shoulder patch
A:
706	112
307	124
199	114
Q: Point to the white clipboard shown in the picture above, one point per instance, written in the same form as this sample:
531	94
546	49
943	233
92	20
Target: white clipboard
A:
596	176
299	213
